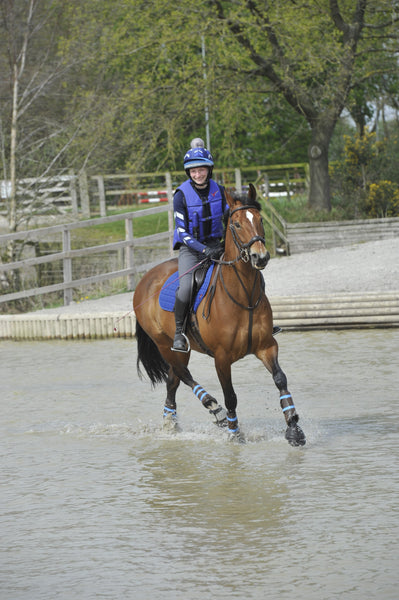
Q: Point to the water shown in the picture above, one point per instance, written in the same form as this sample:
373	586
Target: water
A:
98	502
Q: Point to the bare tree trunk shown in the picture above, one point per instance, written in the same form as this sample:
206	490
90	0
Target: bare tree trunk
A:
319	189
13	150
18	60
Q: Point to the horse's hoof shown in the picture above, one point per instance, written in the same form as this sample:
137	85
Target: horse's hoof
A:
236	436
170	422
294	435
220	416
170	425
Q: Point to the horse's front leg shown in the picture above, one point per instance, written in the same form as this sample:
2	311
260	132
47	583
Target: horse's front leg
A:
294	433
223	369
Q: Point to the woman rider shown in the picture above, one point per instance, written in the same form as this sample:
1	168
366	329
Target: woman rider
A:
199	206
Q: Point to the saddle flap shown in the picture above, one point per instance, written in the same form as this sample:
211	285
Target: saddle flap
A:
199	276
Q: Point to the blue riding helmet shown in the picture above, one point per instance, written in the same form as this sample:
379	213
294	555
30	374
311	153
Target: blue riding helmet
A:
197	157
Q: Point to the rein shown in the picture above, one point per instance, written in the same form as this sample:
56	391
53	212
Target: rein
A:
243	254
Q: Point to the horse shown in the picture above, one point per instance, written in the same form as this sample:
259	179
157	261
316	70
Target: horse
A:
234	320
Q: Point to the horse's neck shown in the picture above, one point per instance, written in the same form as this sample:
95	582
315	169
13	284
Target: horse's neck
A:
240	278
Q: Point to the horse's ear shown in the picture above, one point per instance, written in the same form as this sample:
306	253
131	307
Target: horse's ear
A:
229	197
252	192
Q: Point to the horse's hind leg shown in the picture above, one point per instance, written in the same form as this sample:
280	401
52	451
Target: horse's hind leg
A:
181	373
169	410
294	433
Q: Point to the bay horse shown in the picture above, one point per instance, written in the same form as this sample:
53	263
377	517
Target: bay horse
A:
236	320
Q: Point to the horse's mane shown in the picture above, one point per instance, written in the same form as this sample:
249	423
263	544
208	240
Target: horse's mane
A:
246	200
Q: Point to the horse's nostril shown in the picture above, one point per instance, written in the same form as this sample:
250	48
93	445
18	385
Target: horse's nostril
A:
259	261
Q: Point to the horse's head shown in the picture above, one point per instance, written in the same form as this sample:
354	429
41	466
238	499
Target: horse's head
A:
246	227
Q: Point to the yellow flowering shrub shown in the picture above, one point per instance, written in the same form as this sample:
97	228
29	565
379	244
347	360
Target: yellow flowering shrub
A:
383	199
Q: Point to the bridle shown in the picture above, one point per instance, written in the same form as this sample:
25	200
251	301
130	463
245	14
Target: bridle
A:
243	248
243	254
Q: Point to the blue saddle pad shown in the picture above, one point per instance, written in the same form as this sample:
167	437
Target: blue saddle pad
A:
168	291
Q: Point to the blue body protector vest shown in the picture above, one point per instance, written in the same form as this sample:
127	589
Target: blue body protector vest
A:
195	211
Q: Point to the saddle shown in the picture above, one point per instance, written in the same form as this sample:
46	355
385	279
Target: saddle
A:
200	283
199	286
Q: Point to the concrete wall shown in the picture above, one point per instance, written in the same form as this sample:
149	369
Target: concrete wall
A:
306	237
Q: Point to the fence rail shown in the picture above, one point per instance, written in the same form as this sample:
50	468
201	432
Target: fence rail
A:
82	195
128	245
278	227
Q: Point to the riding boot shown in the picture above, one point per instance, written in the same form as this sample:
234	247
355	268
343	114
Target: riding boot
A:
180	342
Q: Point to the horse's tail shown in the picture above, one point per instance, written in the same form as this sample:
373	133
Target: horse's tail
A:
149	356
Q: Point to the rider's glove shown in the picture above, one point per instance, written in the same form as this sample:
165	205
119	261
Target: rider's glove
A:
212	253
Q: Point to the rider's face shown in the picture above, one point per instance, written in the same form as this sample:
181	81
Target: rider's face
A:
199	175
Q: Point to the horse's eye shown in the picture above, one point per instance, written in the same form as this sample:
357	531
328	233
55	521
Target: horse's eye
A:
237	225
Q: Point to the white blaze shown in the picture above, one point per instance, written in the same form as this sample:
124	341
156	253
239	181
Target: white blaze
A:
250	216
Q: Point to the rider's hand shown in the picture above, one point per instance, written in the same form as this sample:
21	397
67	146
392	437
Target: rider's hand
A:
212	253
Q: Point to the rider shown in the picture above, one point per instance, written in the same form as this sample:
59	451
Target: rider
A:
199	207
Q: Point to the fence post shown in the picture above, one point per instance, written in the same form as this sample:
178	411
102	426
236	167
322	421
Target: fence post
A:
67	266
74	196
266	184
84	193
101	194
129	255
288	185
274	245
238	180
168	179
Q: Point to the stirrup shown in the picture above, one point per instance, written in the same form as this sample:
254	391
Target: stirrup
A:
276	329
186	348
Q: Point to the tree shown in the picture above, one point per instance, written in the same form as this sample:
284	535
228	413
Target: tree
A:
258	54
375	83
308	53
129	83
145	81
29	115
31	111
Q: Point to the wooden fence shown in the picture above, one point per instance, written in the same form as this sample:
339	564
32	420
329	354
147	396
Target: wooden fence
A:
132	267
82	195
301	237
111	191
45	194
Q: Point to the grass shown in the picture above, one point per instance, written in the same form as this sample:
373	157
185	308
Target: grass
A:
114	232
297	210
